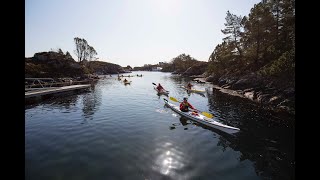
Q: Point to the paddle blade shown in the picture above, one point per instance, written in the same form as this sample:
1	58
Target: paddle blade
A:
153	83
208	115
173	99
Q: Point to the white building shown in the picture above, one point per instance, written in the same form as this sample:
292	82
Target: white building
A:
156	68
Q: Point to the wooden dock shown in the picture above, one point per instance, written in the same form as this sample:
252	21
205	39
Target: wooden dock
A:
54	90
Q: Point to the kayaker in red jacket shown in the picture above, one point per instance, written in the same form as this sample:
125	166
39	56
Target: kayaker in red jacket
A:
160	88
185	105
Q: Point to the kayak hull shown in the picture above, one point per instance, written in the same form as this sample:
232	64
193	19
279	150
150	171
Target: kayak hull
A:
203	119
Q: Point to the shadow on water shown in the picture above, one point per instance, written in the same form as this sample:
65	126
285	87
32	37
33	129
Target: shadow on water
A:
66	101
266	138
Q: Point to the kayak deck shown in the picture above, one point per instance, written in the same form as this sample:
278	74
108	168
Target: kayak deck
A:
203	119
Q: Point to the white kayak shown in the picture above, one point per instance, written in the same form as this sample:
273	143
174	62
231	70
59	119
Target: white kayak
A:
202	119
165	92
193	90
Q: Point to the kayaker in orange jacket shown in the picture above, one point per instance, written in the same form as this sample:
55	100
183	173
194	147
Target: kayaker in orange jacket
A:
185	105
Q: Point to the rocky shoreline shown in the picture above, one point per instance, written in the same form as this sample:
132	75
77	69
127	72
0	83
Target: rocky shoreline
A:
58	65
256	89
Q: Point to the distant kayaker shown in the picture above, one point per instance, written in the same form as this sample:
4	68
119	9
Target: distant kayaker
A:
189	85
125	80
185	105
160	88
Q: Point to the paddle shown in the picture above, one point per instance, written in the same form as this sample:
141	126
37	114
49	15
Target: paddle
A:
208	115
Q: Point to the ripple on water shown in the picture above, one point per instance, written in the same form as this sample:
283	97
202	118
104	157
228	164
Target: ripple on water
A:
170	160
125	132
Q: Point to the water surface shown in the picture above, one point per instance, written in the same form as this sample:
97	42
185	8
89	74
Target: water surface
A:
119	131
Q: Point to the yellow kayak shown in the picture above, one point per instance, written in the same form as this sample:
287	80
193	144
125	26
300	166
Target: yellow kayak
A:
193	90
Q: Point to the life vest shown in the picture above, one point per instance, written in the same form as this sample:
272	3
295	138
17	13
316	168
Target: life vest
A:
185	105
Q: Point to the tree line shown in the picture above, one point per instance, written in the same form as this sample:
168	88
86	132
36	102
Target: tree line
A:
262	42
180	64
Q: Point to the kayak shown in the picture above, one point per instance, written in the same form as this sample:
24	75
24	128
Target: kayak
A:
165	92
193	90
202	119
128	82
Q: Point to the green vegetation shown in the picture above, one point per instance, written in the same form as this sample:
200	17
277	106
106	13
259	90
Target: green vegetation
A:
181	63
262	43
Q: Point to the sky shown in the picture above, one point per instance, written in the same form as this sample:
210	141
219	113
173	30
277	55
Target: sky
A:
130	32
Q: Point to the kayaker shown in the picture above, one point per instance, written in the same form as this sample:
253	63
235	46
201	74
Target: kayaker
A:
189	85
185	105
160	88
125	80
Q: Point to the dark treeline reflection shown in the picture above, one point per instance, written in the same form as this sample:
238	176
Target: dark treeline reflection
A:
266	138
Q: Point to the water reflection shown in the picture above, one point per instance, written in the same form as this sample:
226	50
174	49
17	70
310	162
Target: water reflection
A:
264	142
58	101
183	123
91	102
66	103
131	142
169	160
266	138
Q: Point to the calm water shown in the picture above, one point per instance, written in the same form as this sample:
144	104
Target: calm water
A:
119	131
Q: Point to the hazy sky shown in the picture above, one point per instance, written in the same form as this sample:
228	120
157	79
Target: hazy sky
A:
130	32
